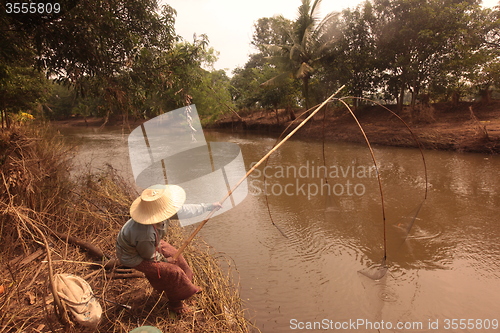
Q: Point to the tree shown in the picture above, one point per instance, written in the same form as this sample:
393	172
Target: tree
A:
245	83
21	89
271	31
418	40
99	38
212	96
248	92
492	29
392	48
307	44
152	82
278	96
487	74
121	52
352	60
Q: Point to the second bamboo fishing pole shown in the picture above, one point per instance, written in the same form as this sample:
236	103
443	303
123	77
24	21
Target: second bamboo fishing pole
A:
202	223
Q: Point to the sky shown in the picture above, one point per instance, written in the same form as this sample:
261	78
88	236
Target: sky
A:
229	23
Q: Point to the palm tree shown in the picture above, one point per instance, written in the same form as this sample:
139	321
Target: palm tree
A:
311	39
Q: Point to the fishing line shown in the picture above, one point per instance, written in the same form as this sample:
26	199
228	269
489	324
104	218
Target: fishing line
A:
381	269
408	225
377	271
419	144
267	161
405	224
328	200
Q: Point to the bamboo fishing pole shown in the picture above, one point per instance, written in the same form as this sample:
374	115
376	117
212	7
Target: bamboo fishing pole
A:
378	176
202	223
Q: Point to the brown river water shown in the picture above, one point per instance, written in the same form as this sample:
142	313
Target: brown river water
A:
302	272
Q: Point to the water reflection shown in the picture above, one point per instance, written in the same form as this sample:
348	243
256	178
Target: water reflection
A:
447	267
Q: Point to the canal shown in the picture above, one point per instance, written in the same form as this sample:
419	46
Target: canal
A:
300	241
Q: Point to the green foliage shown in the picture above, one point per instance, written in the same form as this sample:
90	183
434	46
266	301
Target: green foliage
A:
212	95
352	59
245	83
116	58
22	89
152	83
309	42
382	48
97	38
271	31
418	41
122	57
248	92
60	103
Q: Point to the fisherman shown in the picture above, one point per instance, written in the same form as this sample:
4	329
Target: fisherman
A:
139	244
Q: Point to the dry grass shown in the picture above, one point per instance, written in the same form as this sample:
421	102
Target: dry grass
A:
37	194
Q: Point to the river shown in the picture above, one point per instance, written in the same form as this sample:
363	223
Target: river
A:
301	269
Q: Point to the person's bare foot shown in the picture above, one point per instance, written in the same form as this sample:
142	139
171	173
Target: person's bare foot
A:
179	308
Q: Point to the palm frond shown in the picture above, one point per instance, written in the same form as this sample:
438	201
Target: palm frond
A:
297	53
305	19
304	70
325	34
278	79
329	25
273	49
315	10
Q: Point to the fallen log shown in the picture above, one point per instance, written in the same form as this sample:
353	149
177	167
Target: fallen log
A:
22	260
105	262
91	249
94	251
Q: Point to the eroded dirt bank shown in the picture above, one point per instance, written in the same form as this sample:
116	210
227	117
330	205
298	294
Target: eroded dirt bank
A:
441	126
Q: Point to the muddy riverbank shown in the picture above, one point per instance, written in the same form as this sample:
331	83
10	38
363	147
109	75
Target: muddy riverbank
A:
438	127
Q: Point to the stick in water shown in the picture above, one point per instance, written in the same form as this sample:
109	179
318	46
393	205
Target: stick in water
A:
202	223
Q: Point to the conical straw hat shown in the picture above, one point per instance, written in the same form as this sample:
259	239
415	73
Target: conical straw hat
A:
157	203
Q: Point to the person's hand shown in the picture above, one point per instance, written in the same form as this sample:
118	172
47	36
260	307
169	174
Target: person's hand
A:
171	260
217	205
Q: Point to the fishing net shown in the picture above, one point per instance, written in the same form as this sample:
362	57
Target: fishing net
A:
375	271
378	270
397	237
405	224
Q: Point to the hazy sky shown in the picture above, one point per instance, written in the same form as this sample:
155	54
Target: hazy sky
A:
229	23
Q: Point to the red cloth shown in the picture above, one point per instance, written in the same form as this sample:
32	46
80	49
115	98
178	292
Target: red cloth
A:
174	279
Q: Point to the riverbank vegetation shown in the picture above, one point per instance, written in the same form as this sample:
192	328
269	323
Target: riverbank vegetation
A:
102	59
75	220
403	52
435	63
465	127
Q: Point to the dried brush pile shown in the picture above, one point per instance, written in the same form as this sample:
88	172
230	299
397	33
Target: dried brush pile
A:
42	209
